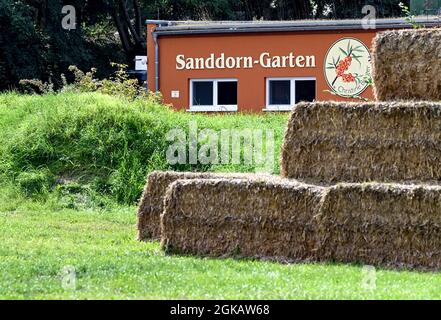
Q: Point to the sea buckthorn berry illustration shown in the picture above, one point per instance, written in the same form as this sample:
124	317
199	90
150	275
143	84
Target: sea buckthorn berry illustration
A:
348	67
348	77
343	66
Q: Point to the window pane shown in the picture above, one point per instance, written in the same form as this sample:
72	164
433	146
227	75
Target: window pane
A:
305	90
203	93
280	92
227	93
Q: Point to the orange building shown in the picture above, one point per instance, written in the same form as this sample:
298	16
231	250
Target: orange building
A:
261	66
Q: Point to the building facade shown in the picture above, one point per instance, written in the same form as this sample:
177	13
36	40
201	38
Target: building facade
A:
261	66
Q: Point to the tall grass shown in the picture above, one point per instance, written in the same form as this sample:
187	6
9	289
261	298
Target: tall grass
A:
100	144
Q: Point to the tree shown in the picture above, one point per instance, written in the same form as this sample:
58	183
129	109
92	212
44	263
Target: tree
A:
127	18
33	44
352	9
131	31
293	9
22	52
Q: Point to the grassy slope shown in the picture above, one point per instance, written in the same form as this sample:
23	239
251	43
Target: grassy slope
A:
40	238
38	242
106	143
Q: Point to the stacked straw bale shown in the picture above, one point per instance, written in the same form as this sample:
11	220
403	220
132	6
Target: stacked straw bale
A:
151	203
407	65
329	142
382	224
264	218
396	223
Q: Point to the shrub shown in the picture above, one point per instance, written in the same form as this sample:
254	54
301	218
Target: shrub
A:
118	85
36	86
121	84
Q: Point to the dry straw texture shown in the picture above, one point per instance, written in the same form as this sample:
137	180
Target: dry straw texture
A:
383	225
330	142
268	218
151	203
407	65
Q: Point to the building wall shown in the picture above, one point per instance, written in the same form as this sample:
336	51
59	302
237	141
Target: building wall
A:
251	82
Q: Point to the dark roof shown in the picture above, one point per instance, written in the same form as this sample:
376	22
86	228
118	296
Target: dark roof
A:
211	27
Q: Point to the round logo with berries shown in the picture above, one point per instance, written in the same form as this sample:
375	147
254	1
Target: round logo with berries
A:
348	67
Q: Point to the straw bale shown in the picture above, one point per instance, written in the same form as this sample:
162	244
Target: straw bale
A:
330	142
266	218
387	225
151	203
406	65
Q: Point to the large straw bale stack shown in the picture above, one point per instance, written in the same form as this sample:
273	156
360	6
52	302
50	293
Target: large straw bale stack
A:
268	218
329	142
382	224
151	203
407	65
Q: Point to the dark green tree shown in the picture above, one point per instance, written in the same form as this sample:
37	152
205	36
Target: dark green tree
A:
352	9
22	47
34	45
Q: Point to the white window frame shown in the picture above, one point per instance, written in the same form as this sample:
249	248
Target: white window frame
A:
215	107
285	107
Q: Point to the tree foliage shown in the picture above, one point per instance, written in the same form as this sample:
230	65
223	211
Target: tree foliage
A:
34	45
269	9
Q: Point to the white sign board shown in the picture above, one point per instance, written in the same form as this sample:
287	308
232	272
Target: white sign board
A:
141	63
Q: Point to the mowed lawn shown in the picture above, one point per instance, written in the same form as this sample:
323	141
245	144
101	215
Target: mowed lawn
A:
37	243
104	146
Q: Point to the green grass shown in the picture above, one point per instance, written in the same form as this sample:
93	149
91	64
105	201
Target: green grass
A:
37	242
68	162
105	144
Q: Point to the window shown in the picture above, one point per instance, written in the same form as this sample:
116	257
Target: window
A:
213	95
203	93
305	90
227	93
283	93
280	92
